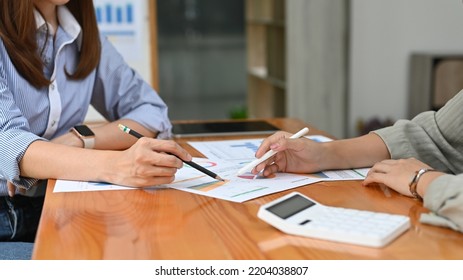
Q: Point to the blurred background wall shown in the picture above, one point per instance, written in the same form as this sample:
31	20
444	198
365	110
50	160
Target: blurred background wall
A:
201	48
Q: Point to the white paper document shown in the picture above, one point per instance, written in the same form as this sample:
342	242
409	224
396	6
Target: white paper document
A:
81	186
234	188
225	158
236	150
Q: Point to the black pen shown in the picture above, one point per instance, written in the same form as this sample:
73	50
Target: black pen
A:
190	163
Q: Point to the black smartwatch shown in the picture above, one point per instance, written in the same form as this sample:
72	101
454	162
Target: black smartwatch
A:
85	134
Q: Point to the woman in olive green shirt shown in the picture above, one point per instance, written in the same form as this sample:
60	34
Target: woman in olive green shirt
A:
422	157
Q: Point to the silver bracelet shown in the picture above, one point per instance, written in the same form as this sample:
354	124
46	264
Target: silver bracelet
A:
414	183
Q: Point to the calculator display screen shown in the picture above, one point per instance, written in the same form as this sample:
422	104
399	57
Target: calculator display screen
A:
290	206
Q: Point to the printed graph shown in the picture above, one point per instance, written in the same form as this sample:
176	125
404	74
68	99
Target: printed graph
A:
252	146
320	175
109	14
118	18
235	150
235	188
209	186
203	163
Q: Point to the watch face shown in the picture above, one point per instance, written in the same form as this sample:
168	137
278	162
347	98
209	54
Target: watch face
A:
84	130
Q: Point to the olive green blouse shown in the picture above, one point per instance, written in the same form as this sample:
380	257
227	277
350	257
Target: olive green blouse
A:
435	138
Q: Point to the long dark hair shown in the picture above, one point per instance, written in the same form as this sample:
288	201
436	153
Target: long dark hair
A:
18	32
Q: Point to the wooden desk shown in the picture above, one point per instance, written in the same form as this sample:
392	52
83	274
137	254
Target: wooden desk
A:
171	224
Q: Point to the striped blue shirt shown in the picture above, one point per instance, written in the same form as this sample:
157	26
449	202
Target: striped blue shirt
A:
28	114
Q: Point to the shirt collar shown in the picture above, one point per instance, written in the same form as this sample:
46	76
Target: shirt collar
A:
66	20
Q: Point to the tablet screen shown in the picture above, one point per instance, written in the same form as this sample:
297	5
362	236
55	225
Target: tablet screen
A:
222	128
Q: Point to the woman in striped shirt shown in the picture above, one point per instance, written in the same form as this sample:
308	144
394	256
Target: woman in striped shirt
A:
53	65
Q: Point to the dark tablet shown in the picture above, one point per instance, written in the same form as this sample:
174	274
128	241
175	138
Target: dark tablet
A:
222	128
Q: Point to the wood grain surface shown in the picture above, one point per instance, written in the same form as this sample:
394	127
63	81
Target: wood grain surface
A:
170	224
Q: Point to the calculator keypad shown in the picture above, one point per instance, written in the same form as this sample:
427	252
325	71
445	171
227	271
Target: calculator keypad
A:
356	224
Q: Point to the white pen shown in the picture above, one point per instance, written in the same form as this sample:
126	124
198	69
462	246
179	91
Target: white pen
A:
248	167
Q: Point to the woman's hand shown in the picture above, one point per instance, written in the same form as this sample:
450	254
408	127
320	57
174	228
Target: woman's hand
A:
148	162
396	174
294	155
307	156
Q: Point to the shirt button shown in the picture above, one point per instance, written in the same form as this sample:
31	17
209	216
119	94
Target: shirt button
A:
52	86
53	123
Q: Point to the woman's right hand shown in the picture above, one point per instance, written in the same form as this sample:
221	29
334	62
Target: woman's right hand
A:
300	155
149	162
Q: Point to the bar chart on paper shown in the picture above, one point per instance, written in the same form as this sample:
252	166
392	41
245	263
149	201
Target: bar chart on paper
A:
117	14
115	18
231	150
124	23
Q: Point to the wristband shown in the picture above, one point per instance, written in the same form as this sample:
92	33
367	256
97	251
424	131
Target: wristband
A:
414	183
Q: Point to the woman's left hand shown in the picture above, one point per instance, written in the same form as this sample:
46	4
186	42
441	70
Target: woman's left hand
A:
396	174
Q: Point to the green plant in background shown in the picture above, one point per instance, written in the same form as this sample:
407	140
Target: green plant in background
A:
238	112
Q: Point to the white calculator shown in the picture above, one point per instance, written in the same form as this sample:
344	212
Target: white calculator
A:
297	214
